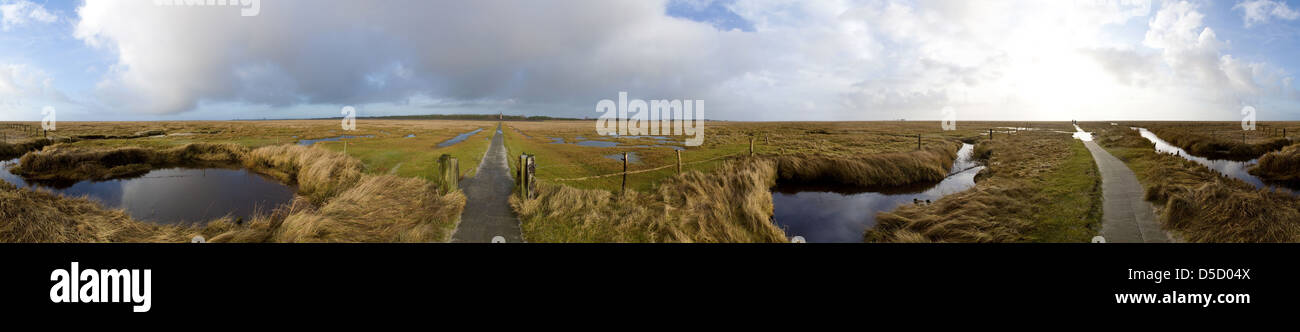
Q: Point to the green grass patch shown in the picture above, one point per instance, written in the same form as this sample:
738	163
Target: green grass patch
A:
1070	203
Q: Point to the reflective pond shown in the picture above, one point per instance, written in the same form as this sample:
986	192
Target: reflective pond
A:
833	214
175	195
459	138
309	142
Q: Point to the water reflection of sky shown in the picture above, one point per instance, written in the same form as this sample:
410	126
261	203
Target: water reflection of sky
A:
309	142
820	215
177	195
1234	169
458	138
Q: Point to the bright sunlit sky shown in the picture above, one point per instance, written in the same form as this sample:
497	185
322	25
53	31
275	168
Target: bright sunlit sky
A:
747	59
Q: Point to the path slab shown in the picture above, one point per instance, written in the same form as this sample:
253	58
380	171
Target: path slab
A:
1126	215
487	209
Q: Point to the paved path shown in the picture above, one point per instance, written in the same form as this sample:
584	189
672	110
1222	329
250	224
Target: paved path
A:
1126	217
487	210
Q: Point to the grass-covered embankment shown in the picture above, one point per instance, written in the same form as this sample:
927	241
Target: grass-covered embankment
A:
870	170
1037	187
13	150
1279	166
1218	147
1200	205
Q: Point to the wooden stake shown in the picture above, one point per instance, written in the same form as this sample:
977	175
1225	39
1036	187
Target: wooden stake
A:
679	161
918	142
624	190
751	146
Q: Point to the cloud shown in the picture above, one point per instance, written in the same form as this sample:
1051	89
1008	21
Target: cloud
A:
18	82
1255	12
22	12
172	59
1200	62
795	60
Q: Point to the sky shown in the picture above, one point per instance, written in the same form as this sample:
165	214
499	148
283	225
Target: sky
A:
750	60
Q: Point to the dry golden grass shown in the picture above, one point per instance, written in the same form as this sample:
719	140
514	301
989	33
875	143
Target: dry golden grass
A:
72	164
1200	205
37	216
733	204
1279	166
320	174
377	209
872	170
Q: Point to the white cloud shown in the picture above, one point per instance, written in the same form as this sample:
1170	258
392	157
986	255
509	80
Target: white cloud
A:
19	81
22	12
1262	11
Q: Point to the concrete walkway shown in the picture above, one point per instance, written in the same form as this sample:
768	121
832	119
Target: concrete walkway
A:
1126	217
487	210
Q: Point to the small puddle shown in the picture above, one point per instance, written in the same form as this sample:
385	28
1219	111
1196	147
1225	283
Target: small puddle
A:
831	214
459	138
663	142
309	142
410	136
1082	135
175	195
631	157
1231	168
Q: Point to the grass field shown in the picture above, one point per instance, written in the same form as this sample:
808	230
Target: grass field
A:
1040	186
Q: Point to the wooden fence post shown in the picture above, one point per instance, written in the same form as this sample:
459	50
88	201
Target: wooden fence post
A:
751	146
523	182
450	169
624	190
918	142
679	161
530	191
990	133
